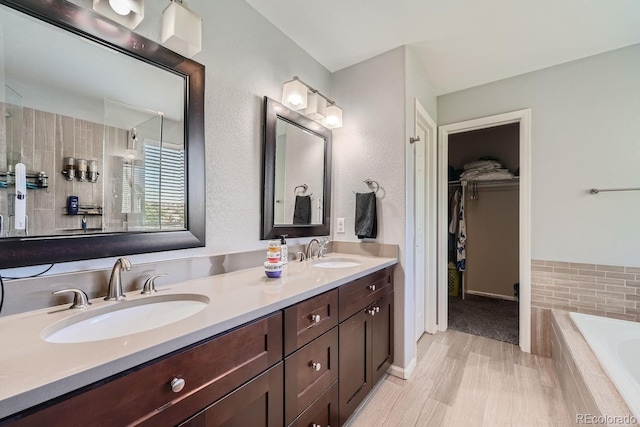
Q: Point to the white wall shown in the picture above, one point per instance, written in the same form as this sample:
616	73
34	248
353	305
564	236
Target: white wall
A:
585	134
246	58
371	144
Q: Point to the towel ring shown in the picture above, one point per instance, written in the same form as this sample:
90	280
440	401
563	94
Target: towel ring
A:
304	189
370	183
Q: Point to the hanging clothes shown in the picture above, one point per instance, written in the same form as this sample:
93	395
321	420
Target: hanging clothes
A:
461	242
454	212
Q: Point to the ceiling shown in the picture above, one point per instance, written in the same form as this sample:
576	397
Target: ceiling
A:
459	43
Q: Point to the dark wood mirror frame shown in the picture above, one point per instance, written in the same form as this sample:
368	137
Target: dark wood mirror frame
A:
26	251
273	111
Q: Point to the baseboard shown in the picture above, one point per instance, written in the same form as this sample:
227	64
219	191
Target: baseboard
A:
403	373
490	295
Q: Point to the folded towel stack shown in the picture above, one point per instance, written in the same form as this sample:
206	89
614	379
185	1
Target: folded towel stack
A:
485	170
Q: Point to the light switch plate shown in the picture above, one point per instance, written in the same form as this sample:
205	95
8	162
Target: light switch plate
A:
340	225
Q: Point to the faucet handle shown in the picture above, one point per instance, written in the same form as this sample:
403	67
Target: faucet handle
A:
301	256
150	285
322	243
80	299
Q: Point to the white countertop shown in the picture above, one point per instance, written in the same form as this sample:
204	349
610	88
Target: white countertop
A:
33	371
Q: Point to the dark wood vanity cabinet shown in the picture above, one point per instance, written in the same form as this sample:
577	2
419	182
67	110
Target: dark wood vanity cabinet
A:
366	338
149	395
310	364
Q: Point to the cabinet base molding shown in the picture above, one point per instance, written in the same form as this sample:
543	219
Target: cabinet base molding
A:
403	373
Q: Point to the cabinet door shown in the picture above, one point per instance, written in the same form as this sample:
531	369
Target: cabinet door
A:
257	403
355	364
382	337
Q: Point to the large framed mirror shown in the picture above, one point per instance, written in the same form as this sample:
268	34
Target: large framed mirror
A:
101	139
297	174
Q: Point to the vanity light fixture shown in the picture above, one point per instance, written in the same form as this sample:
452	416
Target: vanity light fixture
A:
181	29
126	12
297	95
294	94
316	107
334	117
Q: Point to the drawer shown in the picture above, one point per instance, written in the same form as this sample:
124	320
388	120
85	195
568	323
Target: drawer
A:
309	319
323	412
304	380
257	403
357	295
210	370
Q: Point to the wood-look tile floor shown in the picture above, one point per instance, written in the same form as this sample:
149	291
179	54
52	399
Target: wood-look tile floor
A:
467	380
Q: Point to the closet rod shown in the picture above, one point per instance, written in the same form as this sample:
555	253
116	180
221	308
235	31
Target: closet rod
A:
488	182
603	190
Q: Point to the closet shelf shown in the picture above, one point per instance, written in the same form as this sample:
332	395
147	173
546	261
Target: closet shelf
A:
489	183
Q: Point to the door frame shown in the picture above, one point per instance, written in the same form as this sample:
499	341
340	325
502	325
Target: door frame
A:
523	117
425	214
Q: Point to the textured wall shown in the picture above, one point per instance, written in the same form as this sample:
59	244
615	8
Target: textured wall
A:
585	134
370	145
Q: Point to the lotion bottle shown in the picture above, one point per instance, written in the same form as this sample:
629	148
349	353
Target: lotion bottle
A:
284	251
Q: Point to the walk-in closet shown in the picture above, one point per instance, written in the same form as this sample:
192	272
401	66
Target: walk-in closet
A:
483	256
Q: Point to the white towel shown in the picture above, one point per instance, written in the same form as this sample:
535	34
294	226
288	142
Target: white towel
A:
482	164
486	175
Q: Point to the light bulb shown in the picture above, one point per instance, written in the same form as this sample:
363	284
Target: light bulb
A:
121	7
295	99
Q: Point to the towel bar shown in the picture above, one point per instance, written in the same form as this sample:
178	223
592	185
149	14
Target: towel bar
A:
370	183
602	190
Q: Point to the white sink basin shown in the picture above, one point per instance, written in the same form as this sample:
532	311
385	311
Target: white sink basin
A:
336	263
125	318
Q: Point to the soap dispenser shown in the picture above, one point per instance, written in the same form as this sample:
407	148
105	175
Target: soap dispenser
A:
284	251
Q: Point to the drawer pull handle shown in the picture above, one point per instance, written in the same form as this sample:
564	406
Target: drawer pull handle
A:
314	425
373	310
315	318
371	287
177	384
316	366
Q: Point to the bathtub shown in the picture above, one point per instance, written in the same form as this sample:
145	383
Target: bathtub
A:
616	344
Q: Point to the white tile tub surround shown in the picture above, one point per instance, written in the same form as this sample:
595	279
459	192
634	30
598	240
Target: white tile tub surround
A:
616	344
587	389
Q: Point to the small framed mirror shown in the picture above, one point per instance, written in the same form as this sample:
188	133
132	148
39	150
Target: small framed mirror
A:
297	174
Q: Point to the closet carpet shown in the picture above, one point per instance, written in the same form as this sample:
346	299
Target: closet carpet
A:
487	317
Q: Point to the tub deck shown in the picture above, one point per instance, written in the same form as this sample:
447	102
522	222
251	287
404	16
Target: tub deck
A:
585	385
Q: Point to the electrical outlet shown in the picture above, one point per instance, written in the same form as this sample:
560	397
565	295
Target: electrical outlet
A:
340	225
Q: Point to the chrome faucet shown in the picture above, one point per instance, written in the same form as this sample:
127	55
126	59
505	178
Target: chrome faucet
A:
309	251
114	293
